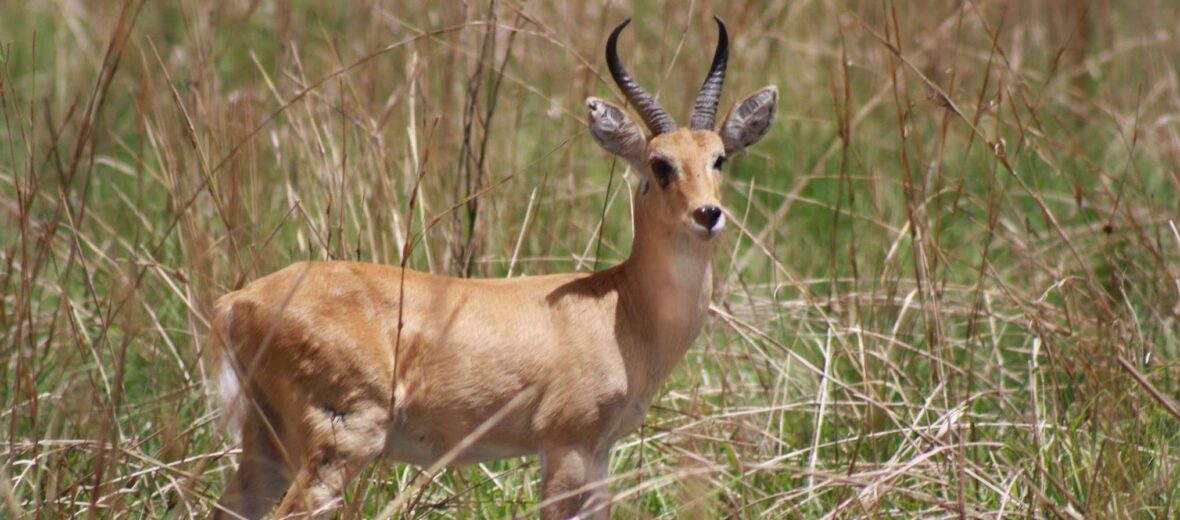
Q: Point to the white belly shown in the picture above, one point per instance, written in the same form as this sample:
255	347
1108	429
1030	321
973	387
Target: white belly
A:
425	448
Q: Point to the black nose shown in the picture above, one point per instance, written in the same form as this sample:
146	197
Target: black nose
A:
707	216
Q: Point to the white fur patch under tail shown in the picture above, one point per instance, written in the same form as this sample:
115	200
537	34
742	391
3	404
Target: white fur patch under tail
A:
229	395
229	386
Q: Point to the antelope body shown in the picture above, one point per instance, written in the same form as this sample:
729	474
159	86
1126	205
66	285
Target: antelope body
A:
329	365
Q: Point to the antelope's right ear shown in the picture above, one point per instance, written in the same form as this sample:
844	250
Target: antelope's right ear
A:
614	131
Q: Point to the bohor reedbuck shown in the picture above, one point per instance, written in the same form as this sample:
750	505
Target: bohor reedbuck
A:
326	366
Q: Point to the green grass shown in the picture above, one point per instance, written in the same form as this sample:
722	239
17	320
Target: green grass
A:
922	311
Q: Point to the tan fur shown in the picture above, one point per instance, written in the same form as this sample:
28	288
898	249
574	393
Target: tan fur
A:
331	381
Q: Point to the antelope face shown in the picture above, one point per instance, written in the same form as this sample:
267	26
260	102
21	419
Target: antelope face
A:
682	185
680	169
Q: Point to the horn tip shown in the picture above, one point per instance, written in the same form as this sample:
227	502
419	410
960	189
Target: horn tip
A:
614	34
722	30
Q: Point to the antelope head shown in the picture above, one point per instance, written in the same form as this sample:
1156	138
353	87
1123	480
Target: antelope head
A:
679	168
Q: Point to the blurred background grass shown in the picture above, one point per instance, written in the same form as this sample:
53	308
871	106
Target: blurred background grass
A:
951	290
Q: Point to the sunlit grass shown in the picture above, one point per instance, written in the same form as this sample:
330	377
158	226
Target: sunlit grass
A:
952	286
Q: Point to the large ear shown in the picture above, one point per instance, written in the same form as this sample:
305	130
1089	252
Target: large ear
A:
614	131
749	120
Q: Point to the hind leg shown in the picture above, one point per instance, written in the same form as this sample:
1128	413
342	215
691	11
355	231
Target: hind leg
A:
262	475
339	445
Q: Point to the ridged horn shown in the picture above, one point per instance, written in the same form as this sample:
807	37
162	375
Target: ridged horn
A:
704	111
657	120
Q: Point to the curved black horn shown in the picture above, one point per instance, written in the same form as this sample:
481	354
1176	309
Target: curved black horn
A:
705	109
658	121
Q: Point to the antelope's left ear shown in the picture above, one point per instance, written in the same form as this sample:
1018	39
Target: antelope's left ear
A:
749	120
614	131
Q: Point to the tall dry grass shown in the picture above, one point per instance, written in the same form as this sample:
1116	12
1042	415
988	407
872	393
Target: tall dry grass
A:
951	290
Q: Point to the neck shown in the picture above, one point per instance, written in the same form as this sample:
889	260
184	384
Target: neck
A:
667	285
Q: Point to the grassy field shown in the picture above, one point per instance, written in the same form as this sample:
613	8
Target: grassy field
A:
951	287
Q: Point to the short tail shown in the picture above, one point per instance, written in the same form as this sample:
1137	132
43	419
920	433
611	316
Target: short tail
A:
227	389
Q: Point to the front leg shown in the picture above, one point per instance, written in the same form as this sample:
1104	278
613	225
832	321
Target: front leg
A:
574	483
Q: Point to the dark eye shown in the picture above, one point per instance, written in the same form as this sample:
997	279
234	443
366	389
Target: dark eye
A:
662	170
719	162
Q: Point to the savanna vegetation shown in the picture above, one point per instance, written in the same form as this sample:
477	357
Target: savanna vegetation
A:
950	286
